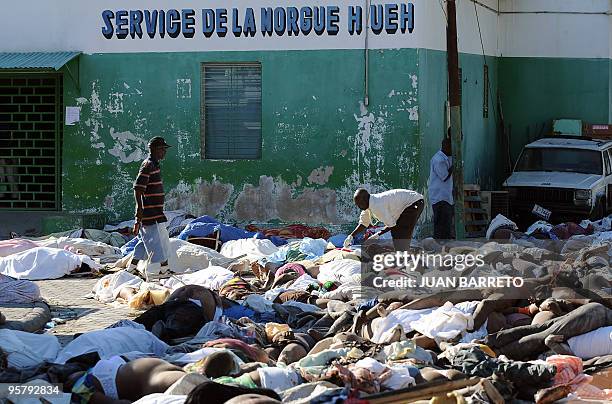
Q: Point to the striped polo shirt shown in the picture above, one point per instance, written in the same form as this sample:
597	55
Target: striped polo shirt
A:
149	180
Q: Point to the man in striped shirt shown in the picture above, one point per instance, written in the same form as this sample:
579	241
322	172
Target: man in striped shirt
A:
150	219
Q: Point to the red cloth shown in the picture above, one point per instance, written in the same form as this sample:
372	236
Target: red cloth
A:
524	310
293	231
569	371
291	267
258	355
566	230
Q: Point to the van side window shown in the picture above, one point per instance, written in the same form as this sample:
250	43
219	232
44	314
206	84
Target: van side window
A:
607	156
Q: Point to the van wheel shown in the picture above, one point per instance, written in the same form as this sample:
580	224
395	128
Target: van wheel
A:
600	209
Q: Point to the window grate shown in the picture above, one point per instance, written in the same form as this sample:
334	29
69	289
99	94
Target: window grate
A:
30	132
231	111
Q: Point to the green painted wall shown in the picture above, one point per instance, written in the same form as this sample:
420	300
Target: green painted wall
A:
535	91
312	118
320	142
480	141
480	134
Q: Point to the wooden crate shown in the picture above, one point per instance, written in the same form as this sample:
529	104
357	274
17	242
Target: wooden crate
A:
475	217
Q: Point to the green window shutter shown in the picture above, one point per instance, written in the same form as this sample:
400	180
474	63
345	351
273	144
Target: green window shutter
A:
231	111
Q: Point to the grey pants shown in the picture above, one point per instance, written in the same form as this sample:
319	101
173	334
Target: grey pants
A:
528	341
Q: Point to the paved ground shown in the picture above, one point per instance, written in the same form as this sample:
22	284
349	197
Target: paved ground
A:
23	223
67	300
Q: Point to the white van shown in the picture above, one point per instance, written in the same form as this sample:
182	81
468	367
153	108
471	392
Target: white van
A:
562	178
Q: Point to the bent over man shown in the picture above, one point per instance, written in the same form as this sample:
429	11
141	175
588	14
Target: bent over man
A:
398	209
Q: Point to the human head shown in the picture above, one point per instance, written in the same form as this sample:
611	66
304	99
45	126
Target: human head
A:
252	399
292	353
218	364
362	199
158	148
220	393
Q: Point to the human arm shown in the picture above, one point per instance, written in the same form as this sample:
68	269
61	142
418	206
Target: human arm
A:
365	219
379	233
358	230
450	173
138	194
140	186
442	168
386	229
351	237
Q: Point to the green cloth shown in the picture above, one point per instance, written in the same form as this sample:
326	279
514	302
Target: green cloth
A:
244	381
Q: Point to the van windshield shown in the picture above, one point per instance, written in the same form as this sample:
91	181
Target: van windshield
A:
560	160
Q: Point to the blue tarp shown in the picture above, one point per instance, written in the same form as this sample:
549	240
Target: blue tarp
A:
206	225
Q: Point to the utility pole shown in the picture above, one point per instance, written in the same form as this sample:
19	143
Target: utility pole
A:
455	114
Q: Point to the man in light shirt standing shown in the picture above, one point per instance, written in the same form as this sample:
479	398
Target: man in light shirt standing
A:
398	209
441	191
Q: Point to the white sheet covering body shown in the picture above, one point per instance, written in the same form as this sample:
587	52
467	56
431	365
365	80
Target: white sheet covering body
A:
592	344
18	291
212	278
25	349
343	271
111	342
254	249
43	263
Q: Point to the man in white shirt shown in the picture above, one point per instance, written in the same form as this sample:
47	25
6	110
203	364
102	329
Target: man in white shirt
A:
441	191
398	209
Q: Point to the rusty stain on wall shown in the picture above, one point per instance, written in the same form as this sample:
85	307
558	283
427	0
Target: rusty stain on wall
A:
274	199
330	156
201	198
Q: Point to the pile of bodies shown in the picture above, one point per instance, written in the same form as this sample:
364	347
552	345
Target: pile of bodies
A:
268	318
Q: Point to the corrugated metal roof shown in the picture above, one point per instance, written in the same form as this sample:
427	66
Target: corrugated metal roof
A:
36	60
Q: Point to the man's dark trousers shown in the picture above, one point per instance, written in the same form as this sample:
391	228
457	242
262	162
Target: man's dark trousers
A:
443	215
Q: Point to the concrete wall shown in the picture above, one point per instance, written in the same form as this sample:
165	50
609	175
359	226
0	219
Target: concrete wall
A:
553	65
320	141
77	25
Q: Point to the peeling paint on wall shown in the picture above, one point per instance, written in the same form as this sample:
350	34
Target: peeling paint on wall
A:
369	154
121	191
274	199
128	148
183	88
317	149
414	113
256	202
320	175
115	103
200	198
415	81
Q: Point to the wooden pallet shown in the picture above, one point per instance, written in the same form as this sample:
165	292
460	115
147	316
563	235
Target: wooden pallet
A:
474	216
495	203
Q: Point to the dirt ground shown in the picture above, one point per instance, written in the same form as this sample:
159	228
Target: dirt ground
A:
66	298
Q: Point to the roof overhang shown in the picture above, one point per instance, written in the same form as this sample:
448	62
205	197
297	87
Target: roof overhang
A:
36	60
